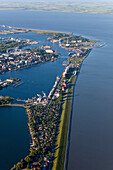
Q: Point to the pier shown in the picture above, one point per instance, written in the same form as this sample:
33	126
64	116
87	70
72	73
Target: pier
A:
18	105
18	84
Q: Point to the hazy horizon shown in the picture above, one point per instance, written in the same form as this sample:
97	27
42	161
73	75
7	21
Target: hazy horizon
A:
81	6
89	1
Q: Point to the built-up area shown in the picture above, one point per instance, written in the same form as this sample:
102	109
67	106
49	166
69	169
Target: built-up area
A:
12	57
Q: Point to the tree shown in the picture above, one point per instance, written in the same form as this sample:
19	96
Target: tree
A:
28	159
28	166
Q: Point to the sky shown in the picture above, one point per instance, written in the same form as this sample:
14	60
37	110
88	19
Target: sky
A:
56	0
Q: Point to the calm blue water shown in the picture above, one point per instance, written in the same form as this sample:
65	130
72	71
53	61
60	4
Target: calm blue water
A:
91	145
14	136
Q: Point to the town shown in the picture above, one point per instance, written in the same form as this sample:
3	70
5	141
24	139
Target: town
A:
49	116
12	57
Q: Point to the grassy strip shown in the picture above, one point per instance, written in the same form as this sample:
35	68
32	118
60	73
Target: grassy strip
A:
59	136
43	32
63	128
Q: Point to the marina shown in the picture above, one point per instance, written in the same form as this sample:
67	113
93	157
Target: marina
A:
8	82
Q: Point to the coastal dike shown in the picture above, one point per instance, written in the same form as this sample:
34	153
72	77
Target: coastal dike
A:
63	138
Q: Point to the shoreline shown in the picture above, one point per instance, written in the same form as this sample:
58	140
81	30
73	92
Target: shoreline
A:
64	129
68	131
70	121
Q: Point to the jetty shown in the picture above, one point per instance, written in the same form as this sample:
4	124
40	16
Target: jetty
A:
18	84
18	105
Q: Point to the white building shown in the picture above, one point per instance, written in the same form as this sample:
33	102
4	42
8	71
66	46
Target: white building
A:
49	51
